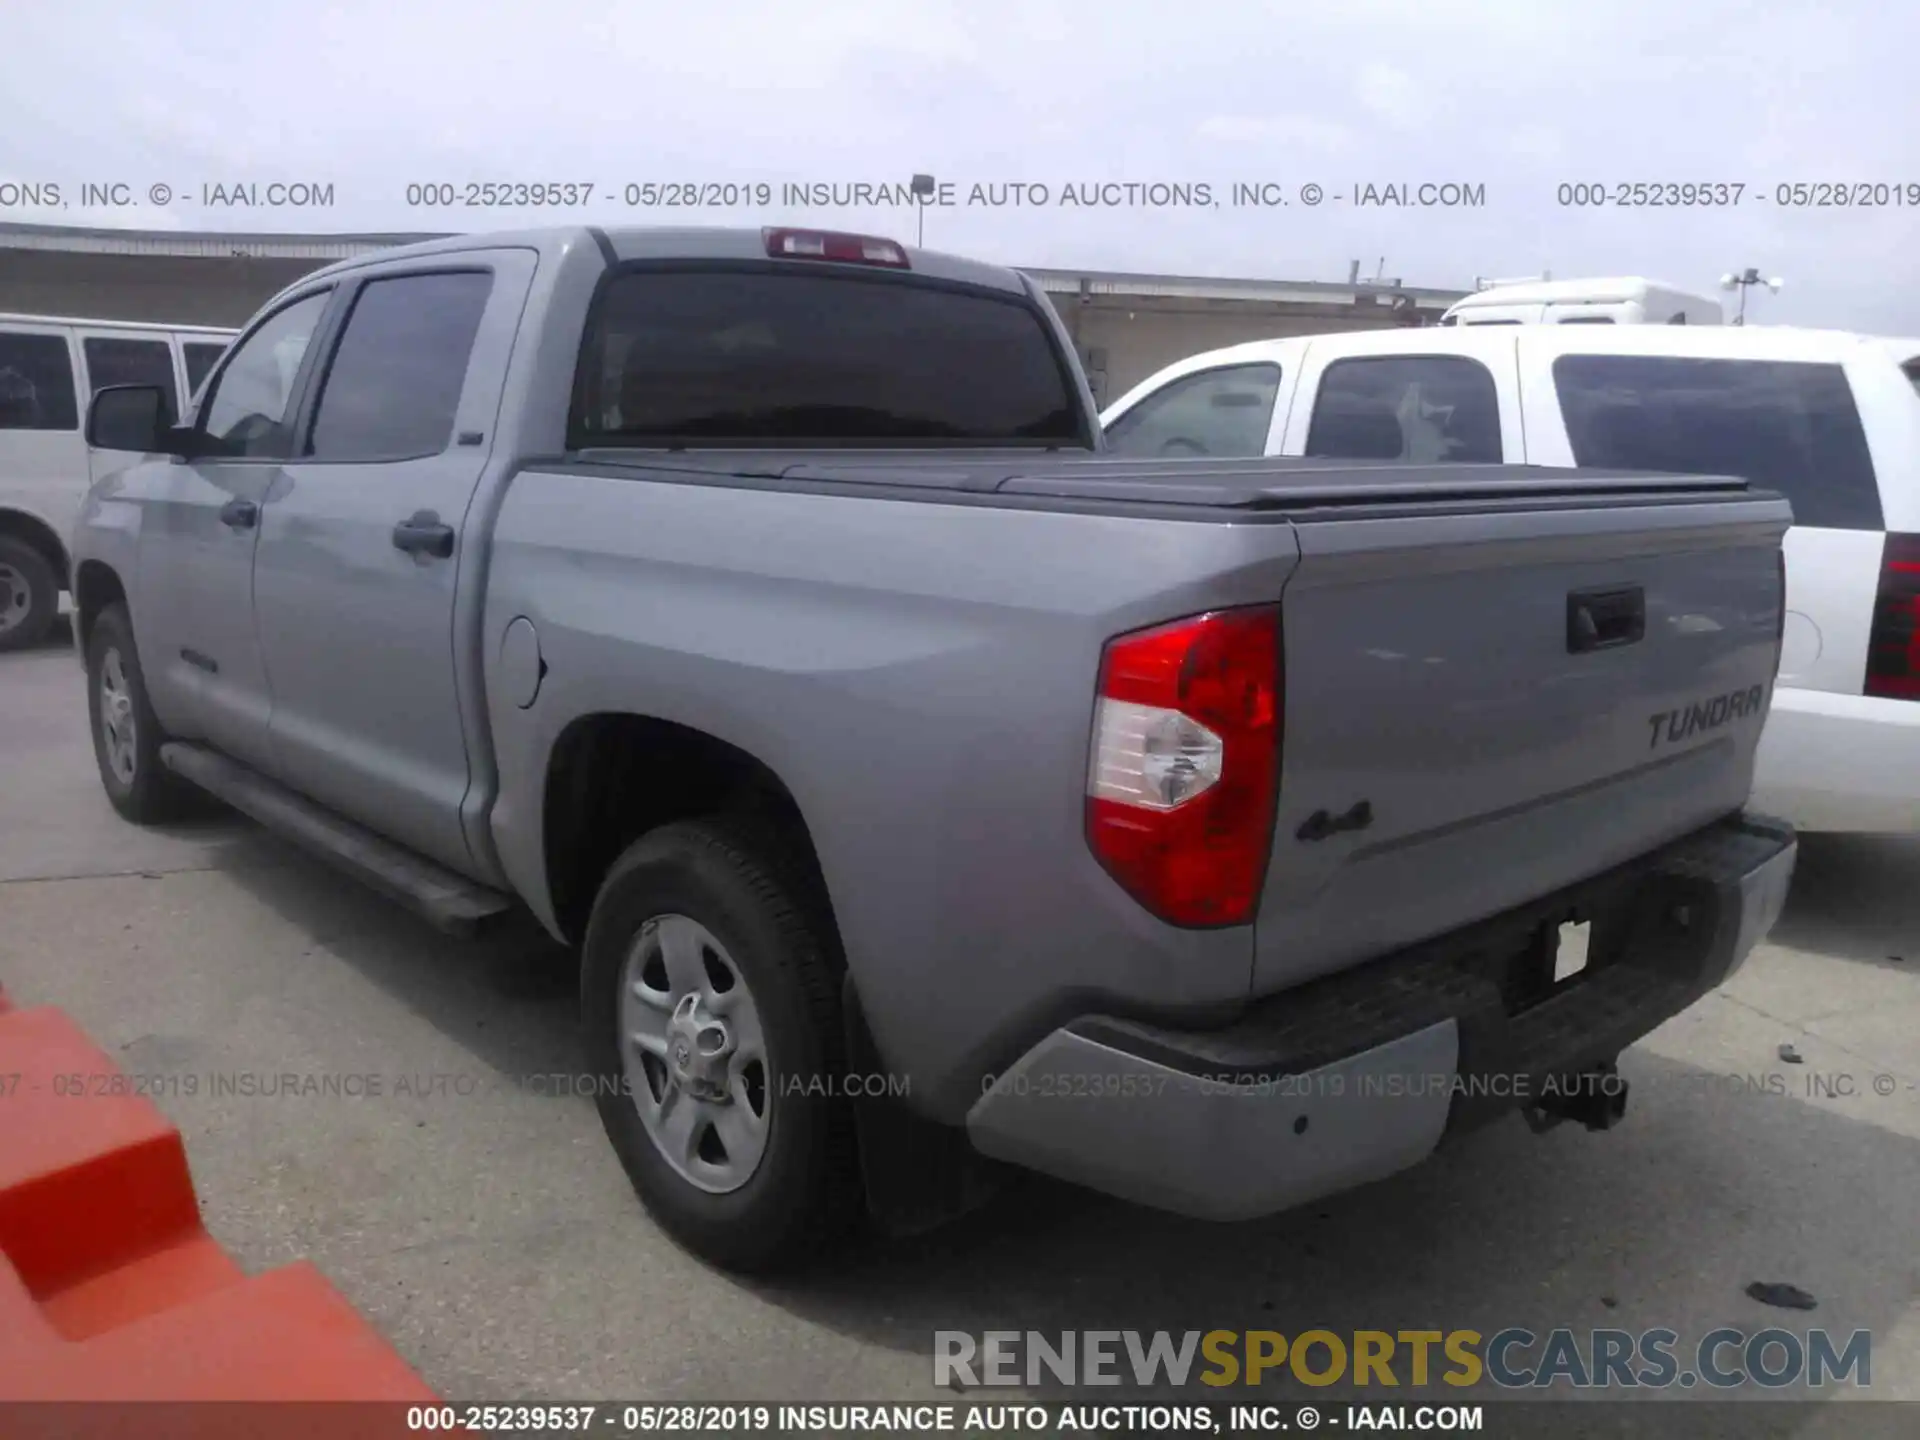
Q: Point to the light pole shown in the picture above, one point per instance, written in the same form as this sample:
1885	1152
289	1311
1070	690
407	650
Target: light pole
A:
1744	281
922	188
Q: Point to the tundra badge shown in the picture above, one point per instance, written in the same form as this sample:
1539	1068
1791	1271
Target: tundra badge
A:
1704	715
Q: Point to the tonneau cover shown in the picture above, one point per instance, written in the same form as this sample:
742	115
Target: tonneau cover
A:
1258	483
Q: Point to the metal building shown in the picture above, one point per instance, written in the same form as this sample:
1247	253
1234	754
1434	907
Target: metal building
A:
1126	325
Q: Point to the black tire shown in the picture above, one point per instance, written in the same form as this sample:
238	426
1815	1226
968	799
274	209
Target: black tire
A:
729	876
153	794
29	596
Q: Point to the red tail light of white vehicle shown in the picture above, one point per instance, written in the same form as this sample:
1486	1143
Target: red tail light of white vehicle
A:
1893	644
1185	770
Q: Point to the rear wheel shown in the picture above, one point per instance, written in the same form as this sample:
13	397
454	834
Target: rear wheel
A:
712	1019
126	735
29	594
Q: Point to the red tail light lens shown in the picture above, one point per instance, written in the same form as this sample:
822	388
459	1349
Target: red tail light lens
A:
835	245
1893	643
1185	770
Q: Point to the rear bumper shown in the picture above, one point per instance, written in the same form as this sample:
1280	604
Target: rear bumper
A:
1832	762
1362	1074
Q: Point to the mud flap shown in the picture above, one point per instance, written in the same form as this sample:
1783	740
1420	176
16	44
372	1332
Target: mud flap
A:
918	1174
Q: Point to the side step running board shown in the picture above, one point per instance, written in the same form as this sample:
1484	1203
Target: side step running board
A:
448	901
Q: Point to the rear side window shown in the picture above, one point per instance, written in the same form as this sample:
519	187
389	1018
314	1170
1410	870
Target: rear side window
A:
201	356
1426	408
1213	412
395	382
1781	425
132	362
738	356
36	383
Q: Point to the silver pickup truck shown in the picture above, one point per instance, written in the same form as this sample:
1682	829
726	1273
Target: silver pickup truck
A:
923	789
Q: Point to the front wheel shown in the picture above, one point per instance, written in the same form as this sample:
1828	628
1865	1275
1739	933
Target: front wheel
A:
712	1019
126	734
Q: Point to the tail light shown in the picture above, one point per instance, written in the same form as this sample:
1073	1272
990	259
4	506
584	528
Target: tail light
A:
1185	771
1893	643
835	245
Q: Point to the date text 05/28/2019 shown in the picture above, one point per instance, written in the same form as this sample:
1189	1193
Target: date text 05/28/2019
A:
1717	194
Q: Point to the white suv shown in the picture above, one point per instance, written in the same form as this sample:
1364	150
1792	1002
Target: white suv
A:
1829	419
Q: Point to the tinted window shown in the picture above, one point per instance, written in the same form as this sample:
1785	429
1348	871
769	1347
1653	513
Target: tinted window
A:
398	371
1413	407
253	393
201	356
1785	426
1214	412
132	362
741	356
1912	372
1588	320
1493	322
36	383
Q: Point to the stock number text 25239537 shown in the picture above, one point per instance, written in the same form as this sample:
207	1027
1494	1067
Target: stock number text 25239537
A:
502	194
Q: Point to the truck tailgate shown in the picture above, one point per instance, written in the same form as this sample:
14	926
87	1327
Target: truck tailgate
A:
1486	702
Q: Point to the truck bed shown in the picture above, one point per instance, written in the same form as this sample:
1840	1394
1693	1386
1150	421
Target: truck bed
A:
884	662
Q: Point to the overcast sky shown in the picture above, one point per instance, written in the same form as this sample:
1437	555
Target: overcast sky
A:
371	95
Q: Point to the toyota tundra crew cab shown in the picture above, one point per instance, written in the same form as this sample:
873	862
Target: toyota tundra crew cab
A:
923	788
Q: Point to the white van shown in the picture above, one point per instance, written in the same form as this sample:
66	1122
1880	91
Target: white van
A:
49	369
1830	420
1623	300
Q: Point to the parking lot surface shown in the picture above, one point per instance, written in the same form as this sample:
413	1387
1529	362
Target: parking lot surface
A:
356	1089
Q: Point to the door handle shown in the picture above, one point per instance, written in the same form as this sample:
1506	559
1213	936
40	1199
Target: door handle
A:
1602	619
240	514
422	533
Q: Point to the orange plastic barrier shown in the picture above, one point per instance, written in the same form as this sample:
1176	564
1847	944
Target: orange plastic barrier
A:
112	1291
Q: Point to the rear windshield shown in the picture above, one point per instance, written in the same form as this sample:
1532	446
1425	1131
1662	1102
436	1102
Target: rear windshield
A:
731	357
1781	425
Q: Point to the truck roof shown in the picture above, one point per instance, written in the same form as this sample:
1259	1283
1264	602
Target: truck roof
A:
690	242
1603	290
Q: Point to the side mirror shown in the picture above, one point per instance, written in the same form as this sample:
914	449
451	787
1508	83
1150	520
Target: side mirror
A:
129	417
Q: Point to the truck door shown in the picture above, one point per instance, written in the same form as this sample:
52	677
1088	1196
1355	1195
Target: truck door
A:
194	619
364	542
